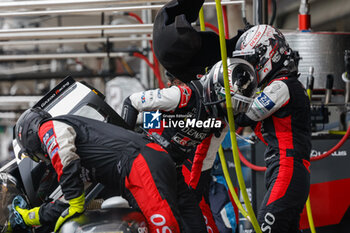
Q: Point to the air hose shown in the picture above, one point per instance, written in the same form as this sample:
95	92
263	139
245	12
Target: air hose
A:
224	11
212	27
319	157
154	69
336	147
231	120
250	165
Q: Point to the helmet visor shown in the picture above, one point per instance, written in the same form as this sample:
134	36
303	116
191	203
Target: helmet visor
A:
243	78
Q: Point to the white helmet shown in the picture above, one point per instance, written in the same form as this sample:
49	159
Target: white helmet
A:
267	50
242	82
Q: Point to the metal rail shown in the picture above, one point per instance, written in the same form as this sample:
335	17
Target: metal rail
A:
58	56
72	34
67	34
86	74
99	10
78	28
74	41
63	3
80	11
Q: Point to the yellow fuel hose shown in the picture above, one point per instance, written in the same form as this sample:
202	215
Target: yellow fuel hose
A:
309	93
221	152
201	19
229	183
231	120
309	215
337	132
308	204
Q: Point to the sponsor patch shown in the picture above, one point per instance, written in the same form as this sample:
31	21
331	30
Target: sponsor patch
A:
185	141
265	101
49	142
47	136
256	111
53	145
143	98
53	152
186	93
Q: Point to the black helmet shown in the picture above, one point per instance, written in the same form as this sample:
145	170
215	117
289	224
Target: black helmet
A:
242	81
267	50
26	132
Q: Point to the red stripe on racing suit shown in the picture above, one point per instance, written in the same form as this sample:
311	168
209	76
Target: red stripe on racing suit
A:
48	138
197	165
58	139
141	184
155	146
284	136
257	131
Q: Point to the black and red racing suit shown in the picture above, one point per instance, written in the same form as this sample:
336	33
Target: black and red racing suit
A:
195	147
128	163
280	116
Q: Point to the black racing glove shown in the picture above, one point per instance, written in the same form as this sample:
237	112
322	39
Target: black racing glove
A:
129	113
